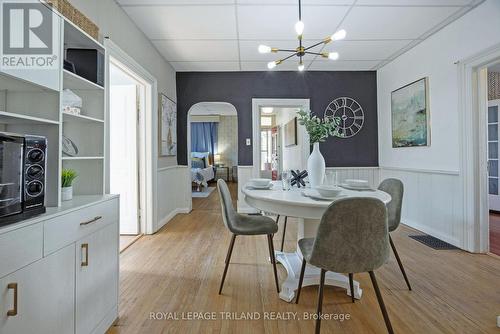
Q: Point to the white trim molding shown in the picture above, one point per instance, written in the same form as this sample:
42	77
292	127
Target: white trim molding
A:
149	149
257	103
473	159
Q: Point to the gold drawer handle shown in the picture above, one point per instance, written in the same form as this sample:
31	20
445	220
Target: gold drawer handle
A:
91	221
13	312
86	262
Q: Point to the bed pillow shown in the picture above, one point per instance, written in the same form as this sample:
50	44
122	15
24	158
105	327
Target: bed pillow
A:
205	155
198	163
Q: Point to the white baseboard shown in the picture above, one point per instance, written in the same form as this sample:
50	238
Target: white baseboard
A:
170	216
432	232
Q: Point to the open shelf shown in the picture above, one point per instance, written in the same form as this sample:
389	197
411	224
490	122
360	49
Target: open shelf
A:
74	81
80	118
82	158
14	118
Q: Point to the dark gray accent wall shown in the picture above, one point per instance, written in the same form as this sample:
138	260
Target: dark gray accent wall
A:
238	88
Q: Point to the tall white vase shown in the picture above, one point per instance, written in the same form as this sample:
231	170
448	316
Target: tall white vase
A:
316	167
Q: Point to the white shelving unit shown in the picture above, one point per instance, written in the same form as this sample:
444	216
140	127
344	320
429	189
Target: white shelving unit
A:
29	107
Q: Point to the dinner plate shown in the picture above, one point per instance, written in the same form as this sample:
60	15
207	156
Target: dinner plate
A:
350	187
255	187
315	195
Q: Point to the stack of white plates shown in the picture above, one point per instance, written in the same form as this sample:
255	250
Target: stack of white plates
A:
259	184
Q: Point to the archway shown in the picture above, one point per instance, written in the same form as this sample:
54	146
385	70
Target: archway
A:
225	159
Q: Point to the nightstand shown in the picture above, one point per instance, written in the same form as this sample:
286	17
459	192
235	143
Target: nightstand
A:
224	172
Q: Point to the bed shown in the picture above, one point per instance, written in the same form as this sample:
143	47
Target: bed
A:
201	173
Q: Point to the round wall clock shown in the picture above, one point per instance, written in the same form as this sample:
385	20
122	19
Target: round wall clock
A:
350	113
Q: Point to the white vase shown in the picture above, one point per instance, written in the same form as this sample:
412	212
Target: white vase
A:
316	167
67	193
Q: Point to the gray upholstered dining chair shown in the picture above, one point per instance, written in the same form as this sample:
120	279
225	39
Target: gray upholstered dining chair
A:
244	225
395	188
352	238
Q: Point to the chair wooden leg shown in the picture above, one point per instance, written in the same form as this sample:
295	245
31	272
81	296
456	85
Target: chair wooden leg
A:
228	258
320	301
400	263
381	303
284	231
301	279
351	285
273	260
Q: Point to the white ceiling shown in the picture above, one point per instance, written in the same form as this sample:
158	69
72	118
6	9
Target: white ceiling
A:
223	35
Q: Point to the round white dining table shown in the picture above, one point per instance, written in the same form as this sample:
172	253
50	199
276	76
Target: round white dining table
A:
293	203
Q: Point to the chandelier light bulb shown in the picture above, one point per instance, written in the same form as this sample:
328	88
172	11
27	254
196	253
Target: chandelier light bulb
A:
264	48
300	67
339	35
299	28
271	65
333	55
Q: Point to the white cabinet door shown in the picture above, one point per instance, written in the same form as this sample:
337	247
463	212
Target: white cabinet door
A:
96	277
45	296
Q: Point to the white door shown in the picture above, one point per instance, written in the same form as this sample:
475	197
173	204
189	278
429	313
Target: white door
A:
45	296
493	148
124	178
96	277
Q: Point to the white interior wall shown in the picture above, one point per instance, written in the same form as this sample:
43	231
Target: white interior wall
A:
227	142
432	174
113	22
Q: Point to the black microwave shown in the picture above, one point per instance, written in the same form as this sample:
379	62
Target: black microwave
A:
22	176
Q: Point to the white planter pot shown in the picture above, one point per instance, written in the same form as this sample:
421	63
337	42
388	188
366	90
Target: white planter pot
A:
316	167
67	193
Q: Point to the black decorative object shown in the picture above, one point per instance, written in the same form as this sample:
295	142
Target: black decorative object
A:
298	178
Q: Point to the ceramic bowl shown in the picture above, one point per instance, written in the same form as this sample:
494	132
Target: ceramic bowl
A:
328	191
259	182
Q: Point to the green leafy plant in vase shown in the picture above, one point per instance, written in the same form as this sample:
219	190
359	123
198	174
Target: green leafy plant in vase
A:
319	130
67	178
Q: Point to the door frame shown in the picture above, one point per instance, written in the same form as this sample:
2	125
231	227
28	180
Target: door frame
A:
233	112
473	148
257	103
147	136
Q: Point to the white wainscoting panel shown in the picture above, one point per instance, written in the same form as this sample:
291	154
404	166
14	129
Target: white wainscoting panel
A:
432	202
371	174
173	196
245	173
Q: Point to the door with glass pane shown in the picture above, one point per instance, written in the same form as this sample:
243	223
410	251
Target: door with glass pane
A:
493	147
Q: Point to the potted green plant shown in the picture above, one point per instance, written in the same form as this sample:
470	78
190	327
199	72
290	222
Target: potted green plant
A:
319	130
67	178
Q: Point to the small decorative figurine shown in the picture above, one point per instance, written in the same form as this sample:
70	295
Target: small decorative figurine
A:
298	178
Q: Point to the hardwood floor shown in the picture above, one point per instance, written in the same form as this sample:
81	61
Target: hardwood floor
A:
495	233
179	270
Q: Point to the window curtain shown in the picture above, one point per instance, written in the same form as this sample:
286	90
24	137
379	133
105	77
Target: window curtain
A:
204	137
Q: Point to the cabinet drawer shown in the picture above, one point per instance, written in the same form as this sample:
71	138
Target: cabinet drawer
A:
20	247
68	228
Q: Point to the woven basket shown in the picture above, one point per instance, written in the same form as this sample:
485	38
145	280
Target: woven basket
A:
75	16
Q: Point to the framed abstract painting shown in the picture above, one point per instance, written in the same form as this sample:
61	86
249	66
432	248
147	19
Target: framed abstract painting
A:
167	126
410	115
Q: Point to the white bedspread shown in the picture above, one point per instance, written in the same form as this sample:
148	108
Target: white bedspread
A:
202	175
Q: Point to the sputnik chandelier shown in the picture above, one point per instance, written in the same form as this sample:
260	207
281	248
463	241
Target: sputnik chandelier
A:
301	51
